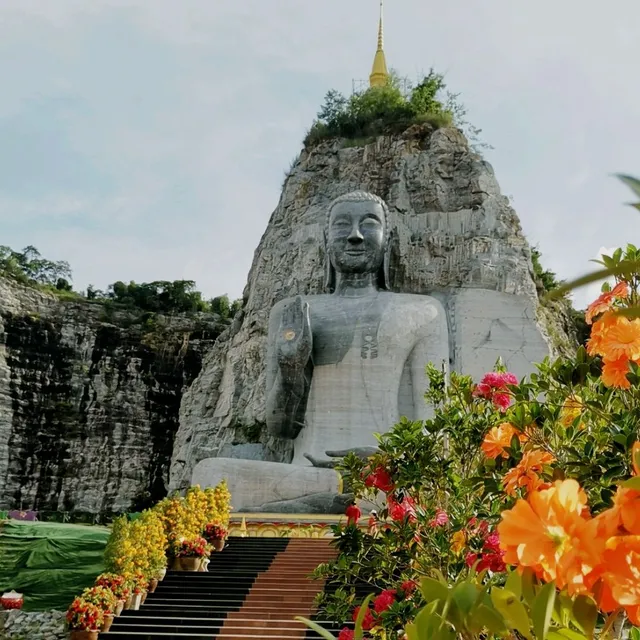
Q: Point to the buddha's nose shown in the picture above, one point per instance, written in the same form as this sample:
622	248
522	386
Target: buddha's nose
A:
355	237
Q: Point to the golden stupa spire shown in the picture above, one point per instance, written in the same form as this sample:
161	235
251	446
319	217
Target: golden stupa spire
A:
379	74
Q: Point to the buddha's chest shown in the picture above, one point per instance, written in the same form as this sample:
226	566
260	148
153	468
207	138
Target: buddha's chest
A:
356	326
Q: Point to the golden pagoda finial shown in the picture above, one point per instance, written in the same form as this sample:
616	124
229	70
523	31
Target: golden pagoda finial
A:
379	74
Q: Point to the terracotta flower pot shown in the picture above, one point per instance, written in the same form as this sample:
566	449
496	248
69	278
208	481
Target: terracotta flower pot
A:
190	564
128	601
108	621
119	607
218	544
144	598
153	585
76	634
204	564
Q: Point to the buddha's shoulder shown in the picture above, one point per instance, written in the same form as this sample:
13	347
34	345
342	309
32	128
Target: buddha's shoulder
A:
413	301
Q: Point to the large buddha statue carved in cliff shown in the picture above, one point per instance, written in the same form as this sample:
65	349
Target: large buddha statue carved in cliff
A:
340	366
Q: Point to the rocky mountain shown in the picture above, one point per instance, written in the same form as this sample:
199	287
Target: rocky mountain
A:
89	400
454	235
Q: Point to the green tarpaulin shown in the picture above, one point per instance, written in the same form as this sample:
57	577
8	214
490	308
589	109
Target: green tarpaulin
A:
50	563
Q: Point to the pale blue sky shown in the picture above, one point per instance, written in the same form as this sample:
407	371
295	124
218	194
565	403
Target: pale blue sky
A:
148	139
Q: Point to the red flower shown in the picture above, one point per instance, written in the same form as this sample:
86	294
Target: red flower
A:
368	621
383	601
408	587
470	559
381	479
345	634
492	561
353	514
440	519
398	511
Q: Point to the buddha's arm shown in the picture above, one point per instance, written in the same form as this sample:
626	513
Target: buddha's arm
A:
434	348
287	386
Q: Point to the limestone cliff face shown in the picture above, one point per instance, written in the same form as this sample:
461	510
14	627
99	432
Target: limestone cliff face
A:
453	231
89	400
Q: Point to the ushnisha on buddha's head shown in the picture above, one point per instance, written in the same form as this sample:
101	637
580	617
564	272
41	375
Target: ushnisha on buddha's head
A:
357	236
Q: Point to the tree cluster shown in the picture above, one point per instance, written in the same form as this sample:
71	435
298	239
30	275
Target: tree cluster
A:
162	296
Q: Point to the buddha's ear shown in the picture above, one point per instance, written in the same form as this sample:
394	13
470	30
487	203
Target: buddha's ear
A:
386	263
329	273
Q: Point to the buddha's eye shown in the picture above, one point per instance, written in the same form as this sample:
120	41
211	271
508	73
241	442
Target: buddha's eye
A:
370	223
341	224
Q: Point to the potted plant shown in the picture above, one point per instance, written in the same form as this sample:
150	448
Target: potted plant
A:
139	587
215	535
12	600
189	553
118	586
106	600
85	619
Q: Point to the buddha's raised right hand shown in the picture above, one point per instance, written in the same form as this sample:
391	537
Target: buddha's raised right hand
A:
294	340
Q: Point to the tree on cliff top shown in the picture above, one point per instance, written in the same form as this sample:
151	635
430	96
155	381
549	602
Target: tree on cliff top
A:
28	266
391	108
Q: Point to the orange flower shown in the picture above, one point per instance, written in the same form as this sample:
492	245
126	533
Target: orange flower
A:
539	531
606	300
621	560
598	333
614	373
622	339
624	515
525	473
499	438
458	541
571	409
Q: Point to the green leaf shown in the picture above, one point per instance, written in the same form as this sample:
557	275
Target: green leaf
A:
411	630
632	483
433	590
512	610
316	627
570	634
585	615
631	182
464	595
595	276
542	610
361	614
514	584
528	591
485	617
634	633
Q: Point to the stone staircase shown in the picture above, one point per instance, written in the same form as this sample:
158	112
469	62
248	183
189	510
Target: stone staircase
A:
254	589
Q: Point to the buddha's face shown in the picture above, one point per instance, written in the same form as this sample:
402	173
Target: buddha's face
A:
356	237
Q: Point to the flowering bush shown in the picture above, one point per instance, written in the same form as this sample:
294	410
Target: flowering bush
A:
84	616
115	583
484	486
194	548
101	597
214	532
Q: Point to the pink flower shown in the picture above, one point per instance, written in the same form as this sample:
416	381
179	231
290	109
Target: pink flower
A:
368	620
345	634
383	601
493	386
440	519
502	401
492	543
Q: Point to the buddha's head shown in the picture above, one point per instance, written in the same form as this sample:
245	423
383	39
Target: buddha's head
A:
357	237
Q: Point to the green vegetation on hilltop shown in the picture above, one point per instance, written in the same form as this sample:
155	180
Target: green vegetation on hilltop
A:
29	268
390	109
